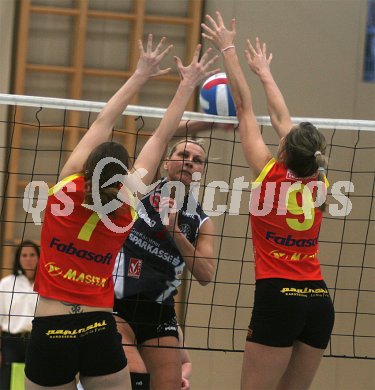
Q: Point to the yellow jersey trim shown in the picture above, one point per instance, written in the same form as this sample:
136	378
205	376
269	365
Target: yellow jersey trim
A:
91	223
266	170
57	187
263	173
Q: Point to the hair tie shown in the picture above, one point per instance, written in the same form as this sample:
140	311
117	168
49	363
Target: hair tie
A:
321	169
317	153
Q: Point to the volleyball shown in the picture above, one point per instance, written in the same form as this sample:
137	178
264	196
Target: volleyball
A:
215	97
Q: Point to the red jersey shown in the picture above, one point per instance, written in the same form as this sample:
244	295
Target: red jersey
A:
285	224
78	251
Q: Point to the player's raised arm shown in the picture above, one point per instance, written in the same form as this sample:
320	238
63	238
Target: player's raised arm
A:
256	152
259	63
101	129
191	76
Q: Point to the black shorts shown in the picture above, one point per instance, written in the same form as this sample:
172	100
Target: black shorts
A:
61	346
286	310
147	318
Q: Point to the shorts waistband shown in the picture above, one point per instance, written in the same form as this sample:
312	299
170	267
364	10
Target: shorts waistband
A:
20	334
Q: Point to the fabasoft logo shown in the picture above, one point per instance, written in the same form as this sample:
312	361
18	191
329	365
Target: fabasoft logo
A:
70	249
290	241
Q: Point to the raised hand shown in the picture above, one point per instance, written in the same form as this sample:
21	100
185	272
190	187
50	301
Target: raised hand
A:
198	70
259	63
257	57
149	59
217	33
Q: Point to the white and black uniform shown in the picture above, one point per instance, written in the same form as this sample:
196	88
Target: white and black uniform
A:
150	264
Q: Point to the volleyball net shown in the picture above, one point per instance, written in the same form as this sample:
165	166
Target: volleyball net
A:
37	135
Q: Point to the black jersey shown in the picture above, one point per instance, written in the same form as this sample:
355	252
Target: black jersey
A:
153	263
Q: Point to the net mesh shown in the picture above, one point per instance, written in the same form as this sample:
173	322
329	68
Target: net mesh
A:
41	132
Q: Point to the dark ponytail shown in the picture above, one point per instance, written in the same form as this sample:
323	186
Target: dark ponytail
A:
110	192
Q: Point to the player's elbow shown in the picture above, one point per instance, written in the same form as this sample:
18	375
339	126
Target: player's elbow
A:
104	121
238	104
204	282
207	277
243	110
